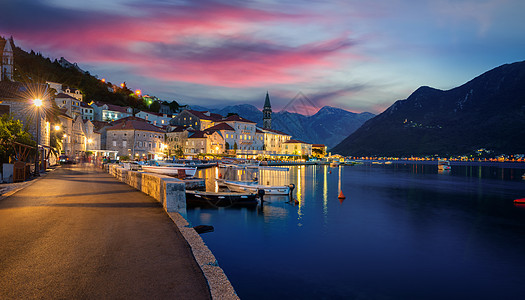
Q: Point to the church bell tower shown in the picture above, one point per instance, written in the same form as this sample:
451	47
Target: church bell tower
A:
267	113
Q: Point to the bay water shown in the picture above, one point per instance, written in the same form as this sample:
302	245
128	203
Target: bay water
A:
404	231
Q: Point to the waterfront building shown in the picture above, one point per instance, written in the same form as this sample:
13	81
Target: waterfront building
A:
136	138
110	112
203	142
267	113
7	59
157	119
296	147
245	139
198	120
319	150
274	140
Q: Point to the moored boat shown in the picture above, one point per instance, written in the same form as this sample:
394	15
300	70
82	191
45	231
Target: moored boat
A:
170	170
221	199
443	165
520	201
254	187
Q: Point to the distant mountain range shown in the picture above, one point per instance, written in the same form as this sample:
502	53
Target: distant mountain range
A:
486	112
328	126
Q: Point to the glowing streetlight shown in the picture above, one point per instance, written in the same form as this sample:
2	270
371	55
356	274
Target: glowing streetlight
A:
138	92
57	127
90	141
37	102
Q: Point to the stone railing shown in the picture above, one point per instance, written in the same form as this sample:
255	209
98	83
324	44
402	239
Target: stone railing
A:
169	191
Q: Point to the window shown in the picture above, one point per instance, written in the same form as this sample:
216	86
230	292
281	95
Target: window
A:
226	135
114	143
124	143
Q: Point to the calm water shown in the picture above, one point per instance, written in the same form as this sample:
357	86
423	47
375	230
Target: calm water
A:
403	232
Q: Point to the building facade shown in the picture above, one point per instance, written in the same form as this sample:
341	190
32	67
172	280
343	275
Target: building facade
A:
7	59
198	120
157	119
109	112
136	138
296	147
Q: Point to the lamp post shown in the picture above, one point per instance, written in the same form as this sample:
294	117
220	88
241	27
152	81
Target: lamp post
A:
37	102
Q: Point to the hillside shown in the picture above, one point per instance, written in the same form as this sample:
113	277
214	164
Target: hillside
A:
328	126
33	67
486	112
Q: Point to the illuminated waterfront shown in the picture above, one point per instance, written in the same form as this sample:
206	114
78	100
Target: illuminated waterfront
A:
403	232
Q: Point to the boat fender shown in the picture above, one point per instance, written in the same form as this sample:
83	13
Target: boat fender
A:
203	228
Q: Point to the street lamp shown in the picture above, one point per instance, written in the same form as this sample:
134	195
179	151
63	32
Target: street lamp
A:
37	102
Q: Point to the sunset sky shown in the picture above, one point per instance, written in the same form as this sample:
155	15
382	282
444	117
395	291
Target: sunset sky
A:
356	55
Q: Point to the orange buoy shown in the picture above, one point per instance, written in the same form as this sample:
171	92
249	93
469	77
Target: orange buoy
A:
341	196
220	175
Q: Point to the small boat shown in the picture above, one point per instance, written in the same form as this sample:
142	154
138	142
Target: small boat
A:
170	170
221	199
334	164
443	165
520	201
254	187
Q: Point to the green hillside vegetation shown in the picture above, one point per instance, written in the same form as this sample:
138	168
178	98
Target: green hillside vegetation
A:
31	67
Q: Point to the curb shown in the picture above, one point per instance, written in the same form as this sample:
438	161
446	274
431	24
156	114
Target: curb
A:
220	286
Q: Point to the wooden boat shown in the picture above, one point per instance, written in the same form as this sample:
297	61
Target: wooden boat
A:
443	165
170	170
254	187
221	199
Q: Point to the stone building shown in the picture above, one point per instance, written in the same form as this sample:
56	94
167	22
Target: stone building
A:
198	120
108	112
296	147
136	138
6	59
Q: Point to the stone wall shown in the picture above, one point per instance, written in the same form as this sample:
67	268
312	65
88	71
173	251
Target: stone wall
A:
169	191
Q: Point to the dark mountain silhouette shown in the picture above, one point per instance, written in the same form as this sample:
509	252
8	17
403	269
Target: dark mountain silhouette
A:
486	112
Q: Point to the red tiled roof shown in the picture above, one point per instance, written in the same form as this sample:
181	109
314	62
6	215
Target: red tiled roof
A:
276	131
238	118
296	142
133	123
84	104
178	128
64	96
197	135
220	126
99	124
204	115
113	107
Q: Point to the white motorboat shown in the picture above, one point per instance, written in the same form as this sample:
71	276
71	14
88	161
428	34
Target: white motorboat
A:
170	170
443	165
254	187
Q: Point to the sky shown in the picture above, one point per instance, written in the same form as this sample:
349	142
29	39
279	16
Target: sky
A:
361	56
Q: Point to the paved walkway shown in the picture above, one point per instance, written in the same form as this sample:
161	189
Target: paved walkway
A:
78	233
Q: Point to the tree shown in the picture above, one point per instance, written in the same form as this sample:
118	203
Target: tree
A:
11	130
155	106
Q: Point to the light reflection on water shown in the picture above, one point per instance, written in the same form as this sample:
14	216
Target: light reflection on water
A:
403	232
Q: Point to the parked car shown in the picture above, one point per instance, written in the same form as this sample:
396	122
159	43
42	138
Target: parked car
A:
65	160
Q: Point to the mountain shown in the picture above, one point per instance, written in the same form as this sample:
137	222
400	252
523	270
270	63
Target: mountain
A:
486	112
328	126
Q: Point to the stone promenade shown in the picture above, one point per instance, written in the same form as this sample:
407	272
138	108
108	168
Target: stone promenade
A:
78	233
